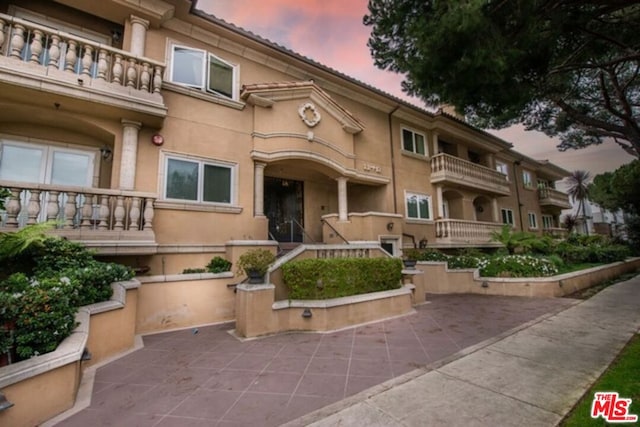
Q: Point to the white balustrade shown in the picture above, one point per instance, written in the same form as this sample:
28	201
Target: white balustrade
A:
445	166
40	45
551	196
466	231
77	207
343	252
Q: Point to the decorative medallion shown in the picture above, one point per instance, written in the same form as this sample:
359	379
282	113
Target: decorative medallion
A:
309	114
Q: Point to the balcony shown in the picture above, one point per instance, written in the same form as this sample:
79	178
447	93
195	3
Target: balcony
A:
554	198
453	170
36	59
113	222
457	232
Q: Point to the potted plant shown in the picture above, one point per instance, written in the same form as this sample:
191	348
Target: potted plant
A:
255	263
410	258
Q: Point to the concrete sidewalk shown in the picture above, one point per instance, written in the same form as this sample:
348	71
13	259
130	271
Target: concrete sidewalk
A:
532	377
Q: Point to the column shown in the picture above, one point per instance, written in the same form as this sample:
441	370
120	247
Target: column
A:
440	201
258	188
130	131
139	28
434	143
343	209
496	211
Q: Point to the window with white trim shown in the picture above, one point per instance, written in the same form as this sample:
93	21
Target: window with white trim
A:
202	70
547	221
503	168
413	141
533	220
198	180
527	181
507	216
418	206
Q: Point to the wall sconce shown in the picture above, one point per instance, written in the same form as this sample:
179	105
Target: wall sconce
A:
423	243
389	226
480	209
307	313
106	153
485	284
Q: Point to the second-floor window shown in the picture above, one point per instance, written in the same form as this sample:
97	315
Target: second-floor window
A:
507	216
547	221
527	180
503	169
533	221
202	70
198	181
418	206
413	141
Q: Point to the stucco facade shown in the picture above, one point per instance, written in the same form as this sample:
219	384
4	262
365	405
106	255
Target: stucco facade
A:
162	136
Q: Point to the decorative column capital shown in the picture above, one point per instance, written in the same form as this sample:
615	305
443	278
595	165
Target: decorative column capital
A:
259	165
131	124
136	20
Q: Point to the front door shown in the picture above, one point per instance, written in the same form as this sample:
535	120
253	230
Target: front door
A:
283	205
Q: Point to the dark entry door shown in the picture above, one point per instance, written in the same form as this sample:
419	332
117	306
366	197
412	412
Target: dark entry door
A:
283	205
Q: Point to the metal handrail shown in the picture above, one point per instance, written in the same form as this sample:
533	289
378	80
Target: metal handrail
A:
335	231
303	230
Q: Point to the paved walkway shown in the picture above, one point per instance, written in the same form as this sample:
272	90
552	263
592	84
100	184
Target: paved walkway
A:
210	378
532	377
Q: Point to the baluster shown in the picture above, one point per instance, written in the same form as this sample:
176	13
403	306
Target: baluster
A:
33	207
148	214
13	208
131	73
117	69
157	79
145	77
87	60
54	52
70	209
103	65
134	214
17	41
103	213
71	57
36	47
119	213
1	34
87	211
53	208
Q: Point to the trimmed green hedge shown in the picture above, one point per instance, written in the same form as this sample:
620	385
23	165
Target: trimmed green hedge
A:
341	277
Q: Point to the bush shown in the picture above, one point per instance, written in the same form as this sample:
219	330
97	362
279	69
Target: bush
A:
257	260
194	270
218	265
425	255
592	252
94	280
334	278
518	266
458	262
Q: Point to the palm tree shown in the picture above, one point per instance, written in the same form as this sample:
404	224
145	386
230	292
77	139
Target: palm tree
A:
578	191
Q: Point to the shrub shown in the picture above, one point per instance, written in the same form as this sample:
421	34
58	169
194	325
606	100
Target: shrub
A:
592	252
425	255
94	280
334	278
518	266
194	270
458	262
57	254
218	265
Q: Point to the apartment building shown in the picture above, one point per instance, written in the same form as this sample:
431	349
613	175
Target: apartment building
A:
162	136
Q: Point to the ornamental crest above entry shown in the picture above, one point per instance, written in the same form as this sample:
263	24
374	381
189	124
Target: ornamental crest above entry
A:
309	114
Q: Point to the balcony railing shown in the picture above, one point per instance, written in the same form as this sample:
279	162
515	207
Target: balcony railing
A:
552	197
445	167
461	231
81	213
56	50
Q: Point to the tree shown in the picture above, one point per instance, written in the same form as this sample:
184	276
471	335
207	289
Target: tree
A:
619	189
579	192
567	68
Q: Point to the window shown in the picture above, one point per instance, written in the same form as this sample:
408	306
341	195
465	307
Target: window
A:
418	206
547	221
507	216
198	181
202	70
533	221
527	181
503	168
413	141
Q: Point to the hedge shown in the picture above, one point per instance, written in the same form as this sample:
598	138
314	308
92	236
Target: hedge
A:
340	277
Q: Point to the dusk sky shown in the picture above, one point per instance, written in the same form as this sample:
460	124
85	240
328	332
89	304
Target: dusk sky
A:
331	32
